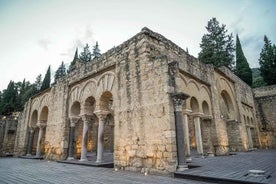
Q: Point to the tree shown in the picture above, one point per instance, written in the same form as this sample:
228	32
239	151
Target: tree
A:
38	83
86	54
258	82
73	63
61	71
9	99
267	62
242	67
96	51
47	80
217	46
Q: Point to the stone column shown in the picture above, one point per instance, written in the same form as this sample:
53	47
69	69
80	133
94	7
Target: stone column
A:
84	138
40	135
112	138
198	135
250	143
30	142
101	114
187	133
72	138
179	100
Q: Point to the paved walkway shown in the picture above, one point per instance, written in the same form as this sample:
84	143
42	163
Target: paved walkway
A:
28	171
234	168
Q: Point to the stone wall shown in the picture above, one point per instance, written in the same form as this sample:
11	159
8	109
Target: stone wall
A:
8	128
22	133
205	84
265	101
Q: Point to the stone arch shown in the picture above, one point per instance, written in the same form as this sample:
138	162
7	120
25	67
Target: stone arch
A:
106	101
194	104
74	95
205	108
206	90
193	82
44	114
75	109
89	88
88	106
225	85
35	104
182	77
227	106
45	100
105	83
244	119
34	119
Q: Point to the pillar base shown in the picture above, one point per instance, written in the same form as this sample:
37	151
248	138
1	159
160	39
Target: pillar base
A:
99	161
70	158
189	159
83	159
29	155
182	167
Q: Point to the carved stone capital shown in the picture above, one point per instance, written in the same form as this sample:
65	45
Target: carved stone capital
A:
73	121
31	129
197	114
101	114
41	123
187	111
179	100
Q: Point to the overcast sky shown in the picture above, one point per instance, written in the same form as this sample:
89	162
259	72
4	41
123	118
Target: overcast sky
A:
37	33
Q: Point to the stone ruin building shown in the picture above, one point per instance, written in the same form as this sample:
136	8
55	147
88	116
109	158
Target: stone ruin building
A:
148	102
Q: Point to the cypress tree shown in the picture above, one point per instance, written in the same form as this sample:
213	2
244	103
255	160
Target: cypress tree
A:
242	67
267	62
86	54
73	63
96	51
61	71
217	46
47	80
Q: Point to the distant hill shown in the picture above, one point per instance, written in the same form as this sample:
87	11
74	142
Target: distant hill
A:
255	72
258	80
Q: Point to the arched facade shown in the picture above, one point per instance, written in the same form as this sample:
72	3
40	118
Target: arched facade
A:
124	104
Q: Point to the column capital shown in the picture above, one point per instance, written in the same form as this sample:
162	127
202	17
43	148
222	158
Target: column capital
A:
179	100
101	114
31	129
85	117
74	120
197	114
206	117
41	123
187	111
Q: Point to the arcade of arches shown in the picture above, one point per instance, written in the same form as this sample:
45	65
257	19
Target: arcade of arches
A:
146	102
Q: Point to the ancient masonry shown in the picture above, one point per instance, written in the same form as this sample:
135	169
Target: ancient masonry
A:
265	102
147	101
8	125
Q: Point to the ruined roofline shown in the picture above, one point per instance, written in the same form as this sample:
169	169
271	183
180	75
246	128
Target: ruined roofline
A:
146	31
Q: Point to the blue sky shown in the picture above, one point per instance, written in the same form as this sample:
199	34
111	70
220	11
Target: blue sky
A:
36	33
